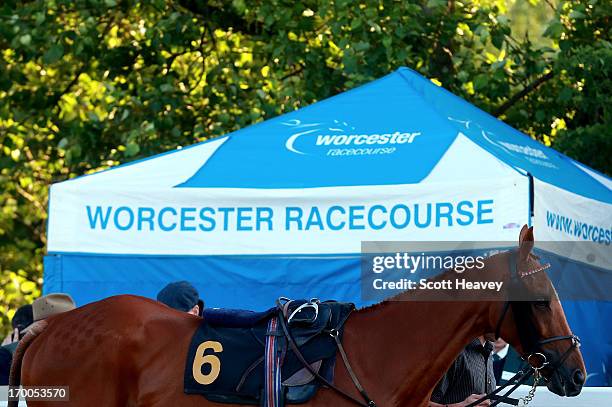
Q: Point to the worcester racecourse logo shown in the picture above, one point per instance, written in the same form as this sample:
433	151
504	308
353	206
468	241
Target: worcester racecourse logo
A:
341	139
531	154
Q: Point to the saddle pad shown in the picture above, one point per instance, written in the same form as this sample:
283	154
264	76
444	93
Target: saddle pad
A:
225	364
235	318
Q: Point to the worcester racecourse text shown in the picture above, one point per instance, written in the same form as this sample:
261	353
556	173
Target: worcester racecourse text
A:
290	218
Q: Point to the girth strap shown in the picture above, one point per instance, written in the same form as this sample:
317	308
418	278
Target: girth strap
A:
293	346
335	334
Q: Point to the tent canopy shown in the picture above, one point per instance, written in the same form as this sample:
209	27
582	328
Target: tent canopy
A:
281	207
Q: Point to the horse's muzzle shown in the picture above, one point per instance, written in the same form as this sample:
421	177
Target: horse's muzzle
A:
566	382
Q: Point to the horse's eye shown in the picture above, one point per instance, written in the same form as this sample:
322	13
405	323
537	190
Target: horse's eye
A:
542	304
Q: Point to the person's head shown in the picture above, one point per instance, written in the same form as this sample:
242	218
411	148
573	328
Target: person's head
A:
51	304
499	344
181	296
23	318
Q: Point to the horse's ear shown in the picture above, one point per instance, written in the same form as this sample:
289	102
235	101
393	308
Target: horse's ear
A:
526	241
522	233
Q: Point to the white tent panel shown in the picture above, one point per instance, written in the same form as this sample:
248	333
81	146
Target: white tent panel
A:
164	170
562	216
467	161
284	221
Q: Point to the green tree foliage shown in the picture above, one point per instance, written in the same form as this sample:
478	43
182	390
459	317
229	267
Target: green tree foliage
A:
87	84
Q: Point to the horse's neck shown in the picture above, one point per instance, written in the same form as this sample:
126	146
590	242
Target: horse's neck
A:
418	341
410	344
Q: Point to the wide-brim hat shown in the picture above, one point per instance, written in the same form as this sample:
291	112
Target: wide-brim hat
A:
52	304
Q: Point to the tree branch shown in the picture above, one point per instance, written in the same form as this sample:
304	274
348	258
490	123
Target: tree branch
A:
58	96
296	71
202	54
30	198
226	17
526	90
552	6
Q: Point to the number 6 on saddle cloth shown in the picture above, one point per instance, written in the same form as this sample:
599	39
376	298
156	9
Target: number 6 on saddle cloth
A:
238	356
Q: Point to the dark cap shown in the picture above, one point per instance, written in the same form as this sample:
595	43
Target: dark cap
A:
180	295
23	317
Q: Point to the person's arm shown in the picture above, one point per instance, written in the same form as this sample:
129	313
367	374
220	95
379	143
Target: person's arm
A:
445	383
437	395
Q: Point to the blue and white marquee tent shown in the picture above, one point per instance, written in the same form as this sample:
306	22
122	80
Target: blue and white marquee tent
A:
281	207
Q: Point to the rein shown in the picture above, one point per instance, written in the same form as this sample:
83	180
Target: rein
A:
535	348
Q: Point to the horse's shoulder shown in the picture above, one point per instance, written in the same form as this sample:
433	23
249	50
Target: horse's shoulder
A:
126	300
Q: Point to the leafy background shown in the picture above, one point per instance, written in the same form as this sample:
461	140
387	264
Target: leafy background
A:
88	84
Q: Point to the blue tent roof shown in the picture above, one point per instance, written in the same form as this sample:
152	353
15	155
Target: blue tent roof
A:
385	114
507	143
296	149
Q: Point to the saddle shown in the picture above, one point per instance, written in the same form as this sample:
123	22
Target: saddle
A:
244	357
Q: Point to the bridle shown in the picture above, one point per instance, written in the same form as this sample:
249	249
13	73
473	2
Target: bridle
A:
535	356
536	352
533	349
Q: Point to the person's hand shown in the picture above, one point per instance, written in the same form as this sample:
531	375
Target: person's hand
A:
472	399
11	337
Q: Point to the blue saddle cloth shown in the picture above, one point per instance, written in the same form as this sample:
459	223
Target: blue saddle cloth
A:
232	343
235	318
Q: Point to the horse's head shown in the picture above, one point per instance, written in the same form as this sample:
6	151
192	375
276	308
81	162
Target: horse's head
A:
533	321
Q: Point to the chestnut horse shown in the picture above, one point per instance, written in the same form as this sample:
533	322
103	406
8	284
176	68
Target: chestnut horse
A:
131	351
